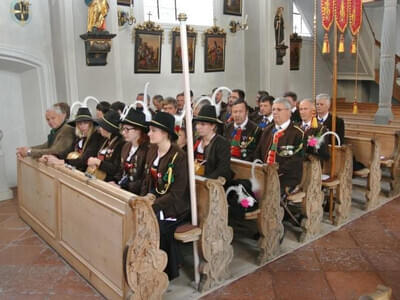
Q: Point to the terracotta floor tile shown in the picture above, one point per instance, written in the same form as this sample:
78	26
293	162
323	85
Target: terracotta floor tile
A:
367	223
346	260
49	257
25	296
20	255
336	240
69	297
34	279
383	259
29	238
300	260
381	239
8	236
8	203
389	218
9	209
301	285
351	285
392	279
257	286
14	222
4	218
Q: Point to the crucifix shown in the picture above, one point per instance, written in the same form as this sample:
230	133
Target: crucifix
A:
149	14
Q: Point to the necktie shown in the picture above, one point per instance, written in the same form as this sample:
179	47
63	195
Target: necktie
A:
304	127
320	121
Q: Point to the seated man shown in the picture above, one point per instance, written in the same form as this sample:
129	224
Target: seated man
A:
157	104
257	108
307	110
282	142
170	105
263	117
140	100
117	106
61	138
180	101
242	133
218	99
325	117
292	97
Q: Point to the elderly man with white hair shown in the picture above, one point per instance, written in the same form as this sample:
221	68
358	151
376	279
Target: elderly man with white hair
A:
282	142
325	117
61	138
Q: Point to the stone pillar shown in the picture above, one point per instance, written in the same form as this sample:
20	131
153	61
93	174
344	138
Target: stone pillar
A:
5	192
386	72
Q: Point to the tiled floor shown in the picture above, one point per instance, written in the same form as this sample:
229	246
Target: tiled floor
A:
345	264
342	265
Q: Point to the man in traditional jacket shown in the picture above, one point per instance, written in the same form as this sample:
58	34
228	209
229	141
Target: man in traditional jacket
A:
325	117
282	142
307	109
292	97
263	117
242	133
61	138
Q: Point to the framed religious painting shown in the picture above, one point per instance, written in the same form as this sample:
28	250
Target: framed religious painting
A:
233	7
214	52
148	51
125	2
176	58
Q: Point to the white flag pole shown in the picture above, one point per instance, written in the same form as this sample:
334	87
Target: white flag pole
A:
189	133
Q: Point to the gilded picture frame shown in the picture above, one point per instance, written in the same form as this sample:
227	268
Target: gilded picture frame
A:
148	51
214	52
176	54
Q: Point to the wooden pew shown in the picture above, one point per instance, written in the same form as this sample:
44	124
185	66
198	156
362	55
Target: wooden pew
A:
270	214
389	140
366	151
213	232
110	236
312	210
341	183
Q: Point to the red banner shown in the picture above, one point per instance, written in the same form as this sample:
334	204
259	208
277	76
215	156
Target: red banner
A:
327	12
342	14
355	17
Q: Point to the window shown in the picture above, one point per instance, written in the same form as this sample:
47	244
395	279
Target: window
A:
299	26
198	12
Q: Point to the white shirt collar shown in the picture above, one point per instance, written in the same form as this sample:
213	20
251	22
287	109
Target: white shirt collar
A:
283	126
243	125
270	118
293	109
324	117
306	123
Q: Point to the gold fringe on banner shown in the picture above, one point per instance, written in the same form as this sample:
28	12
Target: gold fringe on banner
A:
325	45
355	108
353	48
341	44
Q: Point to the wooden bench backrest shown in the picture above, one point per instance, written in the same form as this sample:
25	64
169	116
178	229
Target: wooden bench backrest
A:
340	155
242	170
362	147
202	198
385	138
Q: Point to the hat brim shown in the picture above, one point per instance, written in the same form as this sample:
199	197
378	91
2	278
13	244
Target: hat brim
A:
107	126
82	119
145	127
162	127
207	120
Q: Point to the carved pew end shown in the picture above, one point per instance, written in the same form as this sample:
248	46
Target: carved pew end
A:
187	233
252	215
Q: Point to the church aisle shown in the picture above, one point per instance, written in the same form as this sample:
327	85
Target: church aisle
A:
342	265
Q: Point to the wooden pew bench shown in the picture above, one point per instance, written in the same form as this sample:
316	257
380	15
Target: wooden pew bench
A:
341	182
367	151
270	213
110	236
311	198
389	139
213	233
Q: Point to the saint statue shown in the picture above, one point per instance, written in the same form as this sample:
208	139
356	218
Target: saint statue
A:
97	13
279	27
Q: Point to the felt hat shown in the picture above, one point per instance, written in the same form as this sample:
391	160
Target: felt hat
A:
110	121
83	114
164	121
207	114
135	118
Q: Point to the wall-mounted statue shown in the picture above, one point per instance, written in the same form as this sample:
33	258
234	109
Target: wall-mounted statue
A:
97	39
279	27
97	12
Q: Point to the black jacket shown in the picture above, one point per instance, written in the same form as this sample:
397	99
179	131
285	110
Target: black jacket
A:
339	126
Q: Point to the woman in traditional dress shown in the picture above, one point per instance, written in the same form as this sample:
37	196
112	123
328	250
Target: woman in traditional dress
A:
87	142
211	151
167	178
107	162
133	156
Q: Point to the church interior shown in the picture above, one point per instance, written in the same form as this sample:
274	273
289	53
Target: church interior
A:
304	205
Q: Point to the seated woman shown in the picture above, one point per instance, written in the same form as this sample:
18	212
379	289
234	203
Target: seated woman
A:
211	151
133	156
107	162
87	142
166	176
